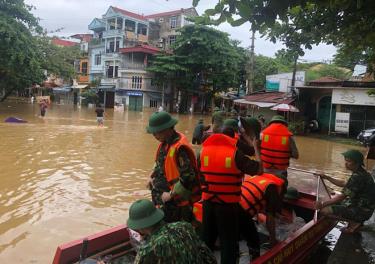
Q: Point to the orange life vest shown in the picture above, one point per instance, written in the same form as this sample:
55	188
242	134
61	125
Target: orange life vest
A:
172	172
253	190
274	147
222	178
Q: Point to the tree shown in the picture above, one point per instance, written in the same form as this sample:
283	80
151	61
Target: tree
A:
348	22
349	57
20	59
263	66
202	57
58	61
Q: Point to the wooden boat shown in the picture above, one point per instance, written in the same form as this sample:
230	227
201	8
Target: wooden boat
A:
296	247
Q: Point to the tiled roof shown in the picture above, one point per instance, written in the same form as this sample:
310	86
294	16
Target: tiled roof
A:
83	37
141	48
269	97
62	42
129	14
164	14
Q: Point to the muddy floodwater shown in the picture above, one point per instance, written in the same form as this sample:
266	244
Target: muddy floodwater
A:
62	177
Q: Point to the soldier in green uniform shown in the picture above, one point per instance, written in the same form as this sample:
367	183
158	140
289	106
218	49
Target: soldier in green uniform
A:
356	204
175	243
174	182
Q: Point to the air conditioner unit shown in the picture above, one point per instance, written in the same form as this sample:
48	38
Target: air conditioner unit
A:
161	40
161	19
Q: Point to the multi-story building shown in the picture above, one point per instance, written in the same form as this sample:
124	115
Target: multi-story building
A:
82	63
119	52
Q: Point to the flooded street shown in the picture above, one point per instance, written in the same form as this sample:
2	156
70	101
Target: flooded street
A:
62	177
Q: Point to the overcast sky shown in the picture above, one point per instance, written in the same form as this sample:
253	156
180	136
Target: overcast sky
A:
75	15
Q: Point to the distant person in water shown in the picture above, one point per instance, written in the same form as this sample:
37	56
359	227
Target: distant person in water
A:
99	115
43	108
198	132
356	204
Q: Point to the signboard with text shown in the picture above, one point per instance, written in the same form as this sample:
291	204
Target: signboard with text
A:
352	97
342	122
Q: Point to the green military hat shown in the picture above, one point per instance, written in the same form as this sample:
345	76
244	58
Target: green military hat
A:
160	121
354	155
144	214
291	194
279	119
251	123
230	122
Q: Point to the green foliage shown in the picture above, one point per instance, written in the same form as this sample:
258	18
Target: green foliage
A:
339	22
263	66
202	56
348	57
58	61
20	58
327	70
90	97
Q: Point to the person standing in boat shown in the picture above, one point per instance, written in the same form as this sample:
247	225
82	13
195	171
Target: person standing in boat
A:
174	182
222	166
277	147
356	204
165	243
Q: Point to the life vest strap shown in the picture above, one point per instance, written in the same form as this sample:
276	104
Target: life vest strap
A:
276	163
239	183
222	173
275	150
222	193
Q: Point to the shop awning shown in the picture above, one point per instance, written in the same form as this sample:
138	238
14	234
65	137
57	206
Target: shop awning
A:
106	88
61	90
259	104
80	86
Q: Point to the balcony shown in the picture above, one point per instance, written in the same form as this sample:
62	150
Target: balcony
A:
96	42
113	33
132	66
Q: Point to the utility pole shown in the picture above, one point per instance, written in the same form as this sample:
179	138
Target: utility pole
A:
250	81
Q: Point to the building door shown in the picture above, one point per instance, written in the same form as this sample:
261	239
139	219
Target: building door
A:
109	99
135	103
323	112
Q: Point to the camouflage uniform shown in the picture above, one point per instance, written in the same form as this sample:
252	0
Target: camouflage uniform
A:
183	187
175	243
359	203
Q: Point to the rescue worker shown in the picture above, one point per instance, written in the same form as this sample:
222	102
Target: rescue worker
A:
356	203
165	243
222	166
174	182
277	147
259	194
217	120
198	132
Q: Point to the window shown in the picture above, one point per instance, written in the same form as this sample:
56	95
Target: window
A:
112	23
142	29
117	46
173	22
111	47
112	72
137	82
84	68
119	23
129	25
153	103
98	59
172	39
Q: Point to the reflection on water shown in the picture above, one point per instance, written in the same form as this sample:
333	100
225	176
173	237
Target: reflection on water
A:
62	177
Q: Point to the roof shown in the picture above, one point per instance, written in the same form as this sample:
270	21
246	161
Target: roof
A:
141	48
83	37
129	14
269	97
326	79
64	43
164	14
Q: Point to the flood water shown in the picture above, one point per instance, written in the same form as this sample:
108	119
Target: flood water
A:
62	177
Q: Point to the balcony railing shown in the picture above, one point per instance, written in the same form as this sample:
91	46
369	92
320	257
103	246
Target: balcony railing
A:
133	66
96	41
113	33
128	84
